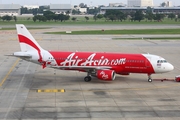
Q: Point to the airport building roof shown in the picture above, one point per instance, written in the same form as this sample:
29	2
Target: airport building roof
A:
10	6
154	9
120	8
139	8
60	6
167	8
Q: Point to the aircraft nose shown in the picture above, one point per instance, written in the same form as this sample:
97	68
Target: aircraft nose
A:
170	67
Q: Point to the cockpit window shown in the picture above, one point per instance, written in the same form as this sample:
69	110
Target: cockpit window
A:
161	61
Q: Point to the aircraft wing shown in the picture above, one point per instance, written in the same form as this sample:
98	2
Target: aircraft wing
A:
86	68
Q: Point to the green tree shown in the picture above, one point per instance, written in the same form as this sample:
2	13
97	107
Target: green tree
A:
95	17
35	11
115	15
158	17
171	15
38	17
73	12
34	18
3	18
68	12
7	18
81	5
139	15
61	17
74	19
66	17
179	16
24	10
132	14
15	18
50	17
100	16
87	18
75	6
149	10
163	4
41	18
149	16
76	12
121	16
55	17
112	17
48	13
42	9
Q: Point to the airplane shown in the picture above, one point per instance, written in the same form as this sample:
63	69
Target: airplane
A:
102	65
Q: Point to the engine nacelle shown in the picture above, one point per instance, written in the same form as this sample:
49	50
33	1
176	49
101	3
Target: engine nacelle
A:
106	75
124	73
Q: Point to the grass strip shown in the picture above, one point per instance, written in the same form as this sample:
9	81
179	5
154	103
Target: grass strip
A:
82	21
120	32
149	38
33	28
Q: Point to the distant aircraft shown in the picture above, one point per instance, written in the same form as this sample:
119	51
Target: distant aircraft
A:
102	65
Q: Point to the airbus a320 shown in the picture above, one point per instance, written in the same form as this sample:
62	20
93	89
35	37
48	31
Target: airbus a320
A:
102	65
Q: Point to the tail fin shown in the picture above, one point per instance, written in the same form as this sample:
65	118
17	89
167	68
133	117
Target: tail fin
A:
26	40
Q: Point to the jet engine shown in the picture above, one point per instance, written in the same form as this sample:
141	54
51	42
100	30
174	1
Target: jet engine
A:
106	75
124	73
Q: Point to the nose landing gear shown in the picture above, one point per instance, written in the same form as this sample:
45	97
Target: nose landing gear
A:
149	78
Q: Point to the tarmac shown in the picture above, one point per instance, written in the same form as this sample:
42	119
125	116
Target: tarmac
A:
29	92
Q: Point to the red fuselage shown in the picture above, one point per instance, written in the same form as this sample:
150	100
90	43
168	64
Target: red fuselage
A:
120	63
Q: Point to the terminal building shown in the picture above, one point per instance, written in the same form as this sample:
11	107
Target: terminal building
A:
116	5
175	10
140	3
60	8
31	6
10	9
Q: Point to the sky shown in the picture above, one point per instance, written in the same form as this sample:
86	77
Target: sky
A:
77	2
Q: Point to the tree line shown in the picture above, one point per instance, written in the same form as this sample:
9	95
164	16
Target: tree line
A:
50	16
138	15
110	15
8	18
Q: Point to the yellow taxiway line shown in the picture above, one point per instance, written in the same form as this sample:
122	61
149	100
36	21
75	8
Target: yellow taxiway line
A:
7	75
51	90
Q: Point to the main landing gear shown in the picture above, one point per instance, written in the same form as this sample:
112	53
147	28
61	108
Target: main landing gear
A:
149	78
87	78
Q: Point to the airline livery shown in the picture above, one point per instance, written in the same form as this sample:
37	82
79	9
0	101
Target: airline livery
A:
102	65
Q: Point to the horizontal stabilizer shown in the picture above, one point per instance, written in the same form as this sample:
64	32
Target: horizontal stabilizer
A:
20	54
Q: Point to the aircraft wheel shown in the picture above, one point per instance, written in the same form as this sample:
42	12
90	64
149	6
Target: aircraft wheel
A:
149	80
87	79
